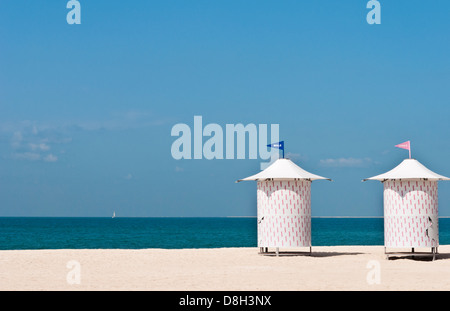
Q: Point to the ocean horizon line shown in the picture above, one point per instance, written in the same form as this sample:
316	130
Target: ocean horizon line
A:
186	217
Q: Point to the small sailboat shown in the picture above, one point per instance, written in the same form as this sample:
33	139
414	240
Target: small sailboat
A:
114	214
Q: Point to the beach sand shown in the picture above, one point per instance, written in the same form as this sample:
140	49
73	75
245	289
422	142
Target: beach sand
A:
225	269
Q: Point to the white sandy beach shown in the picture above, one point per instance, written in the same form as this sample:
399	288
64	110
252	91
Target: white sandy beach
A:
329	268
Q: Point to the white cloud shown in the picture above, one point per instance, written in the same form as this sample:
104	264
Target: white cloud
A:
296	156
40	146
16	139
128	177
131	119
346	162
32	140
50	158
33	130
31	156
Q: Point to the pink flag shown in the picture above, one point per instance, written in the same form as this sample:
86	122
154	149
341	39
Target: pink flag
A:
406	145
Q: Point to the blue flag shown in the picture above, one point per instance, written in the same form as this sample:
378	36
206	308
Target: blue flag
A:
279	145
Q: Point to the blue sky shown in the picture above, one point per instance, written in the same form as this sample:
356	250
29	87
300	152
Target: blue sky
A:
86	111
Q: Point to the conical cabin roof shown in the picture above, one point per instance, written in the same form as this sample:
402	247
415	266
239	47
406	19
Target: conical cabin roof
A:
409	169
284	169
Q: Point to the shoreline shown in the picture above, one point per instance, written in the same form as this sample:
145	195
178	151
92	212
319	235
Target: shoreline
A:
330	268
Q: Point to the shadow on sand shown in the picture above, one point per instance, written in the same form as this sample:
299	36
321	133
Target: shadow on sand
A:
420	257
312	254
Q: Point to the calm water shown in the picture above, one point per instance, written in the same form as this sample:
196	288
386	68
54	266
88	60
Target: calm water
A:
136	233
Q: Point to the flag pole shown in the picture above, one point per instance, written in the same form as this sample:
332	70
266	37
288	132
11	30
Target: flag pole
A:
278	145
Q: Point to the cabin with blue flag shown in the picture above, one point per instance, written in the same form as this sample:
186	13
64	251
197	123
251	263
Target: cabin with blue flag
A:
284	206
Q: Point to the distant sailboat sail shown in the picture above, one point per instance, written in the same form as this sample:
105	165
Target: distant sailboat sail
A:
114	214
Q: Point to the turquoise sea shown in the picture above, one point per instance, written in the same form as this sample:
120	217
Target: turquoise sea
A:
175	233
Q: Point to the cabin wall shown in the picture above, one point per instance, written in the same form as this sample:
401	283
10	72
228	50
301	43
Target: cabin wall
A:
408	208
284	213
